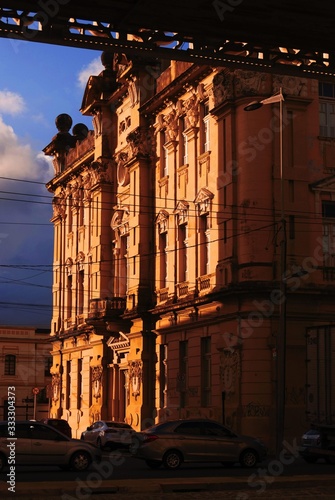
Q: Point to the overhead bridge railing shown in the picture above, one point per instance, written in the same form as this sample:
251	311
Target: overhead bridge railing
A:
44	25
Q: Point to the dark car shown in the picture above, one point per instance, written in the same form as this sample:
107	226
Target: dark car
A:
33	443
195	440
109	434
318	442
60	424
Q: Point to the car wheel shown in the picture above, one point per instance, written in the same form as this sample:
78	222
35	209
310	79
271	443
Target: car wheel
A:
80	460
172	459
153	464
3	461
248	458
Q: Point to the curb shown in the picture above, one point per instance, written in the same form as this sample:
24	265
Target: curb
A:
68	490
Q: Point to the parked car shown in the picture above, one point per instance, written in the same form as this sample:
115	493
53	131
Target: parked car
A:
40	444
109	434
195	440
60	424
318	442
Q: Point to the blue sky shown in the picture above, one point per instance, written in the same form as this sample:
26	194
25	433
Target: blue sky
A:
37	83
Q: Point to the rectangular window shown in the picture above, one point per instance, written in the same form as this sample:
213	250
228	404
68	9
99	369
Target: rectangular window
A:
206	372
10	364
328	233
183	372
69	215
327	109
320	364
163	155
68	386
182	236
204	245
291	224
163	260
183	153
163	376
79	382
327	119
291	190
328	209
327	90
69	296
81	291
185	149
204	128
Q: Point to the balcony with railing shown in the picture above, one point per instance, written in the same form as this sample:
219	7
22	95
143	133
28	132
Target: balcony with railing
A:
206	283
182	289
106	316
106	309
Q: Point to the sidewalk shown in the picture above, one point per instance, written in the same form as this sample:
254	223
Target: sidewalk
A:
310	487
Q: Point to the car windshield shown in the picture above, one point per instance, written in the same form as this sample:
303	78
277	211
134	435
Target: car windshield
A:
159	427
120	425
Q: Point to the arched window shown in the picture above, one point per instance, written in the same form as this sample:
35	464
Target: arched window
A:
10	364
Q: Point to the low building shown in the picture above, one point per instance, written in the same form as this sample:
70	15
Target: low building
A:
193	259
25	363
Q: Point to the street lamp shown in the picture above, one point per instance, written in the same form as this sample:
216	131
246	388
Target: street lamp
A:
281	338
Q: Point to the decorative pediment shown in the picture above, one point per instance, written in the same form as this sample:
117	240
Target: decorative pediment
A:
203	201
326	185
68	266
119	342
162	221
99	88
120	219
92	92
181	211
80	259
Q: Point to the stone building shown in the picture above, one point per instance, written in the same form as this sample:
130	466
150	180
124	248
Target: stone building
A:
25	363
193	258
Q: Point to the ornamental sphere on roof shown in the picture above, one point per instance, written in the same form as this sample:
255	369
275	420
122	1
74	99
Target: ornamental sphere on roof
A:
63	122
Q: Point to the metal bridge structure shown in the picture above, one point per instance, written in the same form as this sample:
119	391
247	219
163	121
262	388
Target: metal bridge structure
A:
283	36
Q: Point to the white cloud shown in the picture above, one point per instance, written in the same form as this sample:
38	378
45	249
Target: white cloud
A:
94	68
18	160
11	103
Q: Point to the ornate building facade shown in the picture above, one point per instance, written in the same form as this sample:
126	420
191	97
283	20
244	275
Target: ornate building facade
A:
183	226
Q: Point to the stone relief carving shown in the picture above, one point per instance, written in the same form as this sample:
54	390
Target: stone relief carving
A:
96	381
229	370
76	192
120	220
222	87
191	107
59	206
135	377
100	171
290	85
55	384
140	142
133	90
171	122
97	122
249	83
